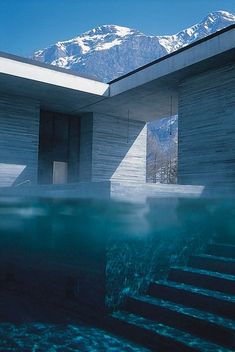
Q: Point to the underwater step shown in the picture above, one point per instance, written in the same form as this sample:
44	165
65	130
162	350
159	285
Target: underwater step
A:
200	323
195	297
160	337
213	263
203	278
221	250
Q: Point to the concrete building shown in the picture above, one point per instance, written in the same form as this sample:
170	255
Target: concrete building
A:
61	133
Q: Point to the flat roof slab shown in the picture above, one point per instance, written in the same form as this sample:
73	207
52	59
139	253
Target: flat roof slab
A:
51	97
200	50
55	90
151	92
145	94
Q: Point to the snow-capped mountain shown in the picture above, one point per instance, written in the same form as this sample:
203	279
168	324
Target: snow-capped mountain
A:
105	52
109	51
209	25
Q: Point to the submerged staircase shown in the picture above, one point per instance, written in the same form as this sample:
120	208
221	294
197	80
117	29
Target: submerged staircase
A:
193	310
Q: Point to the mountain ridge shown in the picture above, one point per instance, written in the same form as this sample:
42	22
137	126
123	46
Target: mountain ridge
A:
110	51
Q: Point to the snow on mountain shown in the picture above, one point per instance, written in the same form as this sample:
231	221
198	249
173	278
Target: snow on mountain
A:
109	51
105	52
209	25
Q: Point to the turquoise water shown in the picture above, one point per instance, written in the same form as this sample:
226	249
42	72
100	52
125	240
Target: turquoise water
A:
91	254
35	337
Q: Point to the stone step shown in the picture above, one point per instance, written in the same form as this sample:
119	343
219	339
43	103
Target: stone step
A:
213	263
195	297
160	337
203	278
197	322
221	250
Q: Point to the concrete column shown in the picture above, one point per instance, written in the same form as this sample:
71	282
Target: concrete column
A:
207	129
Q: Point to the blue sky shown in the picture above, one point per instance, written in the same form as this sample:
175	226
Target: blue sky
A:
28	25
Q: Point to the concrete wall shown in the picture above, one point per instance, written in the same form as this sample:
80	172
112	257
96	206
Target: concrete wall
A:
132	192
19	128
85	158
112	148
58	141
120	191
118	149
207	129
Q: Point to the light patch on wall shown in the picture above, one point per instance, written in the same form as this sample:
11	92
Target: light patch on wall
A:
9	173
60	172
133	163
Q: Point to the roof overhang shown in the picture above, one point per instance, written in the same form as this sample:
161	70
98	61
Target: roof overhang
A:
151	92
147	93
55	89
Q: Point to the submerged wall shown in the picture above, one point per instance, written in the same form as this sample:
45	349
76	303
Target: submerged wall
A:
207	129
93	253
19	129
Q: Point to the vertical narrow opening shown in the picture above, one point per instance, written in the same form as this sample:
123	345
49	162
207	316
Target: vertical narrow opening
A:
162	151
59	141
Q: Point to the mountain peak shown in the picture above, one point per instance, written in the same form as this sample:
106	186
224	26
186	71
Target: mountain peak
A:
109	29
221	13
219	16
109	51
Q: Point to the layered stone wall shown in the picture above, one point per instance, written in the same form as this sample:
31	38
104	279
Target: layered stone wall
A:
19	134
207	129
112	148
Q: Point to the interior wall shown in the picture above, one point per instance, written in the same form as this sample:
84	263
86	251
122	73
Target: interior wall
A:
207	129
58	141
19	129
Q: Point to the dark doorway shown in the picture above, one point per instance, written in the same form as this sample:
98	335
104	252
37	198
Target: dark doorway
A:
59	139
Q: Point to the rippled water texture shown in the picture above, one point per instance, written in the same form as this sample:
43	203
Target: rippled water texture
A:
92	253
37	337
